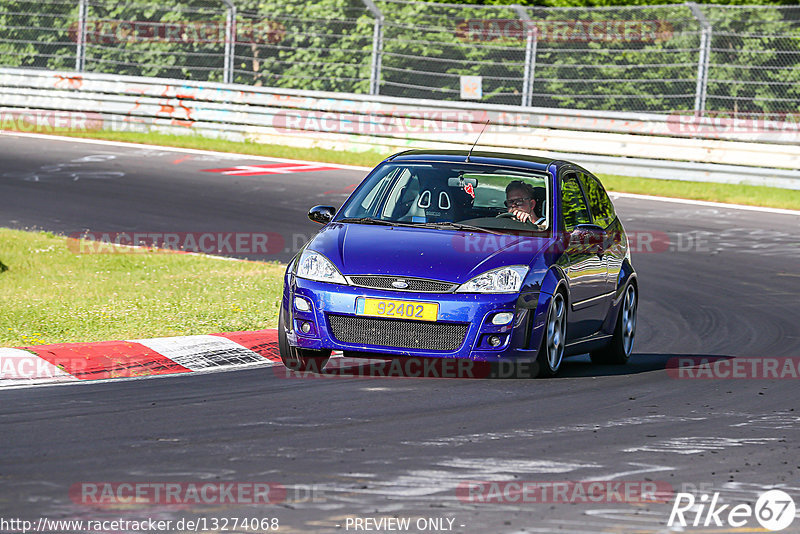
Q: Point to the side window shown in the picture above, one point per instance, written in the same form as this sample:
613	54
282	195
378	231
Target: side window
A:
573	205
599	203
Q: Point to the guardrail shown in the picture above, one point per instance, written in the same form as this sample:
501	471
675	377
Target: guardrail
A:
632	144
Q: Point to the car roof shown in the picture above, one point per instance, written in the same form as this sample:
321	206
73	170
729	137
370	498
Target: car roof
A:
487	158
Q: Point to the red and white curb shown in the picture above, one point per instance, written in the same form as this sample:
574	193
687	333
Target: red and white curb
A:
75	362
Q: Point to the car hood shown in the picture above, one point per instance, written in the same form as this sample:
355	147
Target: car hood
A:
453	256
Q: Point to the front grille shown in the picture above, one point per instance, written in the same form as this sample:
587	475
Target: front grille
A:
419	285
399	333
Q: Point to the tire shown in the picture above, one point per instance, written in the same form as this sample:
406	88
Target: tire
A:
551	353
619	350
296	359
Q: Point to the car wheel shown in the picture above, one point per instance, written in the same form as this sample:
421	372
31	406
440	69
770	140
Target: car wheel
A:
621	346
551	352
296	359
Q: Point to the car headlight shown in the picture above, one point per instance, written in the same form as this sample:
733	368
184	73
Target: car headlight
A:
503	280
315	266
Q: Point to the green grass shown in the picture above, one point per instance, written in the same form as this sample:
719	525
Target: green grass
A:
753	195
364	159
48	294
737	194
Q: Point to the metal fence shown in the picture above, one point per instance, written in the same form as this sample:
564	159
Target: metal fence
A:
665	59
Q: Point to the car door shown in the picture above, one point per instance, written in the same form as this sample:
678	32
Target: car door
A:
587	268
604	216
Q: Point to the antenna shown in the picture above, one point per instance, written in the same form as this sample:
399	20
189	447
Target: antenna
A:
476	141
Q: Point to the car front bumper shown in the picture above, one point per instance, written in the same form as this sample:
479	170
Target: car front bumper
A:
333	323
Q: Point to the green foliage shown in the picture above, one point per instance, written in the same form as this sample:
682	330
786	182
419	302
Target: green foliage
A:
754	61
610	3
324	45
37	38
184	40
642	57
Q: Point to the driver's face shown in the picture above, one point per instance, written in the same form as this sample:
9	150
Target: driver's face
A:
517	200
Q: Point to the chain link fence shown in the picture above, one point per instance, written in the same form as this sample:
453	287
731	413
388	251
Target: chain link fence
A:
663	59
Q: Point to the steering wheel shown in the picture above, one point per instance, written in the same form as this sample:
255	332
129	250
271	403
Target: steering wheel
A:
509	215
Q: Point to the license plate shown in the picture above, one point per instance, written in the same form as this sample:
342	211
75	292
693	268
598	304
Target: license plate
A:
398	309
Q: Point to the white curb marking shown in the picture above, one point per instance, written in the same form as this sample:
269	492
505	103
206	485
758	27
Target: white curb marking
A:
19	366
202	352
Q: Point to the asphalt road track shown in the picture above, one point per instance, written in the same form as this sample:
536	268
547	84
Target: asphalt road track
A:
730	286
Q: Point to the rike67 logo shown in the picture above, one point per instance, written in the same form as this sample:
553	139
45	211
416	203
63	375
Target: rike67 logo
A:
774	510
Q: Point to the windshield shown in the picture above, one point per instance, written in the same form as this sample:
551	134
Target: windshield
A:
452	194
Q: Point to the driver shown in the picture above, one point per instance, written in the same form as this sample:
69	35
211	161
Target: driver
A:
520	202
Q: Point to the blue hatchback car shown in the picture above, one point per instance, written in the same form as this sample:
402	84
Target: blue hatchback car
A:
478	256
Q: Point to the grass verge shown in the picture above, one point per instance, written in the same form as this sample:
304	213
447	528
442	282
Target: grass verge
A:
49	294
364	159
735	194
753	195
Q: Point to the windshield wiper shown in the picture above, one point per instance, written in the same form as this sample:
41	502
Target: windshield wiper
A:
459	226
443	224
367	220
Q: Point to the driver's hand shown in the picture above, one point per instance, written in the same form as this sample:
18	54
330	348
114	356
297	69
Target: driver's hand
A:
522	216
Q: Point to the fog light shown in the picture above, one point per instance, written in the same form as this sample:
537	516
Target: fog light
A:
301	304
503	318
305	327
495	341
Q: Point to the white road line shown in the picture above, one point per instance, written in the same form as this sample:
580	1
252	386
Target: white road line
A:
229	155
697	444
705	203
233	155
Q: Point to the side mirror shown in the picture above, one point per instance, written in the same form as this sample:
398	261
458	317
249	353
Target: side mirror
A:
589	235
322	214
592	228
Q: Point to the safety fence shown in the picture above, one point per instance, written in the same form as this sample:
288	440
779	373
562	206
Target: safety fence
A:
713	60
